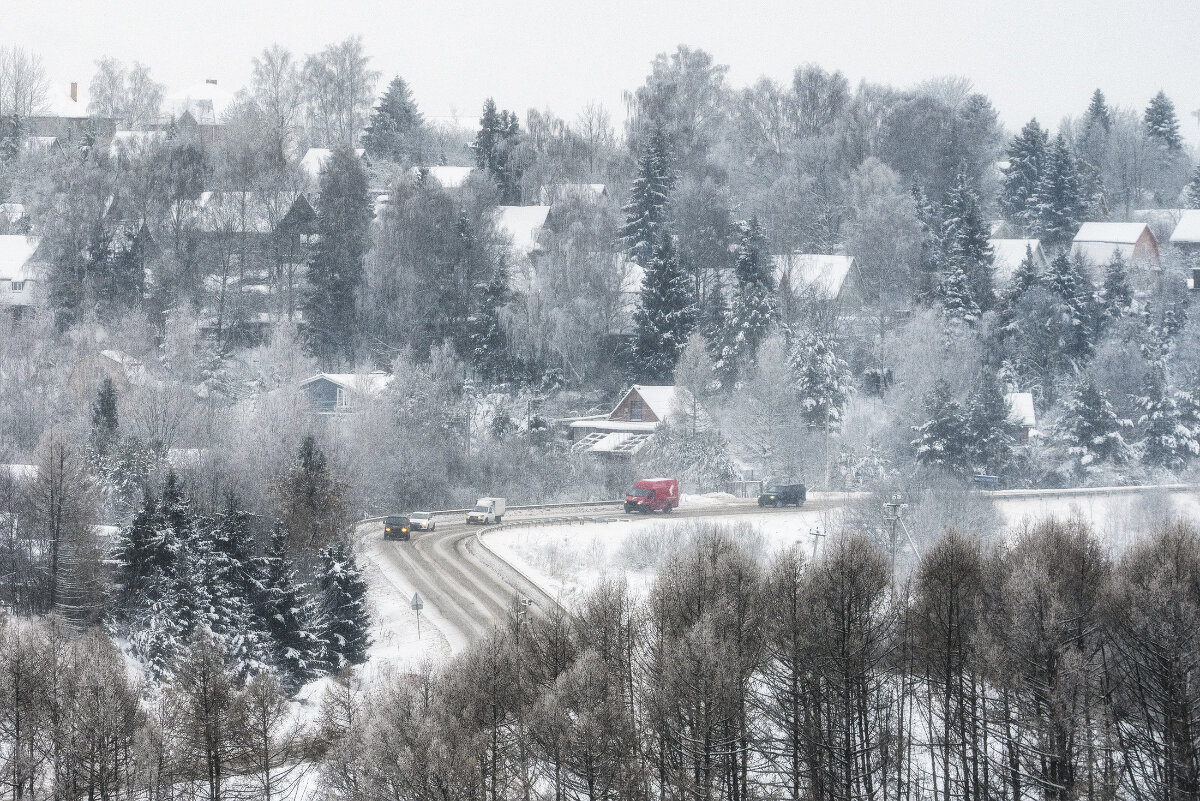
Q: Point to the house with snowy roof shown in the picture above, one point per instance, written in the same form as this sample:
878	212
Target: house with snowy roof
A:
1007	255
1022	414
447	176
65	117
823	276
1097	241
199	110
523	225
315	159
343	393
1186	234
625	430
19	274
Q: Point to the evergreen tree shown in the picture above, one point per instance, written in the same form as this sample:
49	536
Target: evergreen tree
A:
941	439
1073	305
666	314
954	294
1167	441
104	418
753	308
290	616
12	137
646	212
486	341
822	379
1191	192
345	620
394	130
312	502
1059	206
1027	154
964	241
1089	430
495	149
336	267
988	426
1116	295
1161	123
714	317
1098	114
136	556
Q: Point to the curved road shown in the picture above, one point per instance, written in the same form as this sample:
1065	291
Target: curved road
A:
473	590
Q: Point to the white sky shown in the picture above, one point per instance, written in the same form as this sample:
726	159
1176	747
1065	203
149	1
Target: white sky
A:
1031	58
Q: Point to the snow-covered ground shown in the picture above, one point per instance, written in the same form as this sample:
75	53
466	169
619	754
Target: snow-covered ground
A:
1118	518
566	560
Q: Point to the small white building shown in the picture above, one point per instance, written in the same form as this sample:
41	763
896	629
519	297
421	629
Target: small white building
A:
1007	255
19	272
1023	415
1097	241
1186	235
342	393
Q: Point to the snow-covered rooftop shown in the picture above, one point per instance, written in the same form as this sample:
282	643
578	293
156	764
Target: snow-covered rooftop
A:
604	424
315	159
449	177
823	273
523	224
60	104
1187	231
206	102
16	251
1122	233
362	383
1007	255
1021	404
662	400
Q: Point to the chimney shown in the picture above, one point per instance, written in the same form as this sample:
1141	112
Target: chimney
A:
74	91
213	81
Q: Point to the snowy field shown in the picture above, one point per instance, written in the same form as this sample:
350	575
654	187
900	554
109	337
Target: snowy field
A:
1118	518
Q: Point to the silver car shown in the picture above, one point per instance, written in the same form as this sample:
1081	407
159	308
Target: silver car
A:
421	521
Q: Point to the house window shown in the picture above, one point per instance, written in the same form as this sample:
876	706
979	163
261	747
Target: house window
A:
18	286
342	401
635	411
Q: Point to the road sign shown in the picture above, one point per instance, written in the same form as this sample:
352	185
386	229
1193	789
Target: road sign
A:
417	603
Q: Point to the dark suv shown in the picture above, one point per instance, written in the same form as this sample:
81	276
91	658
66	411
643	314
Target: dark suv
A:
396	528
782	495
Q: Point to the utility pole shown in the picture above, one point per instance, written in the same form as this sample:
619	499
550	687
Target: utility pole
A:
816	534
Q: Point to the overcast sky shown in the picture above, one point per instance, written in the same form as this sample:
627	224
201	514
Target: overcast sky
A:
1030	58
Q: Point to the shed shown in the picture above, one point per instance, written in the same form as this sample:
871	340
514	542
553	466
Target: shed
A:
1022	414
1007	255
1097	241
18	272
632	422
341	393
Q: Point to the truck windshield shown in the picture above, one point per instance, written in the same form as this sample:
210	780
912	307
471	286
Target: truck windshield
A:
481	508
641	493
772	490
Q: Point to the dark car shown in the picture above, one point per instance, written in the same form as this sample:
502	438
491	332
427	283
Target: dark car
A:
782	495
396	527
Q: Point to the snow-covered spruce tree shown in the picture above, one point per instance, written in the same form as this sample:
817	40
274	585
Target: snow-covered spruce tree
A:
964	240
646	212
753	308
289	615
988	425
1191	192
312	502
12	137
104	418
393	132
335	269
1068	284
487	345
666	314
941	439
1059	203
231	586
954	294
1116	295
714	315
1089	431
1026	159
343	604
1166	439
136	556
1162	125
821	378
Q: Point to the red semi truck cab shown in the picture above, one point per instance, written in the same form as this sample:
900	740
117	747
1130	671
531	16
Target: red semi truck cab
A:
652	495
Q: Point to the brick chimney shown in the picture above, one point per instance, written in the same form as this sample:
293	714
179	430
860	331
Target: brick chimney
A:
74	91
213	81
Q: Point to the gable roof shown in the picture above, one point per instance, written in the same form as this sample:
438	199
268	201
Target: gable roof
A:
1122	233
1187	231
361	383
244	212
660	399
315	159
1007	255
523	224
824	273
16	253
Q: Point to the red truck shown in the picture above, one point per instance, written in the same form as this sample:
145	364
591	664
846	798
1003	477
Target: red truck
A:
652	495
